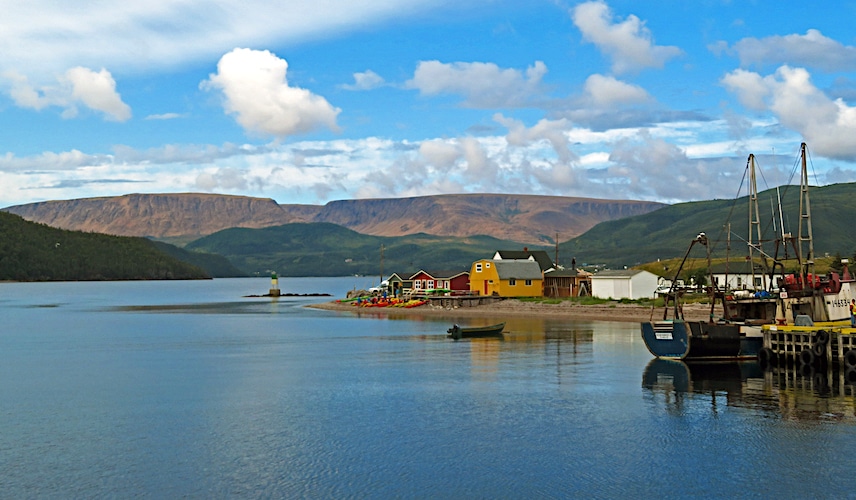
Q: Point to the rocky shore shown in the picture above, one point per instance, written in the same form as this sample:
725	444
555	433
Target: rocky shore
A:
612	311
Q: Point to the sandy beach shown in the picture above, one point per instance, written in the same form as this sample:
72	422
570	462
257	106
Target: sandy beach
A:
613	311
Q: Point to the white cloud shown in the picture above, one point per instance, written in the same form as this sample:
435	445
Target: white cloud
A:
629	43
606	90
439	153
256	91
827	125
751	89
552	131
812	50
366	80
97	91
78	86
483	85
42	38
164	116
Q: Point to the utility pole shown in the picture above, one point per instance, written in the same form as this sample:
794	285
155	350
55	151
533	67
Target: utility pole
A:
381	265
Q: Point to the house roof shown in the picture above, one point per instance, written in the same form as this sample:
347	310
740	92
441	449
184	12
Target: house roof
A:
618	273
518	269
401	276
541	257
440	274
564	273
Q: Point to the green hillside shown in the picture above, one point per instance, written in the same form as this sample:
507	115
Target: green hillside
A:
36	252
216	266
667	232
323	249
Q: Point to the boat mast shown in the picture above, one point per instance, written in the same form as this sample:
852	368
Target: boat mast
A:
805	249
754	219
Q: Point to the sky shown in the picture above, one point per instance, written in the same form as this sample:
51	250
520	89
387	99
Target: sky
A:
310	102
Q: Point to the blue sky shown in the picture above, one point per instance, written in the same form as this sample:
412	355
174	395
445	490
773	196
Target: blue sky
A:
308	102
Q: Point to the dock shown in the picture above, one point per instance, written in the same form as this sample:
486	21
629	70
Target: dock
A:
821	344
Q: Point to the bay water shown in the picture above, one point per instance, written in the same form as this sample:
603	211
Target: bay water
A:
192	389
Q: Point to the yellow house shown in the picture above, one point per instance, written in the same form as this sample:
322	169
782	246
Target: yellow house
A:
506	278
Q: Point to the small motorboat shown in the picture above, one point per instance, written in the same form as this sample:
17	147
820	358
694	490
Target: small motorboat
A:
457	332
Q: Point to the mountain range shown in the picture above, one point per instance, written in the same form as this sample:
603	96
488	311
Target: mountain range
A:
450	230
181	218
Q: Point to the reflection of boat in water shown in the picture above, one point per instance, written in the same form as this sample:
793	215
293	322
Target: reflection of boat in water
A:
458	332
793	392
680	377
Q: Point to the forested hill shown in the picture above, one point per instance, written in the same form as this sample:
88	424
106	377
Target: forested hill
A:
667	233
36	252
324	249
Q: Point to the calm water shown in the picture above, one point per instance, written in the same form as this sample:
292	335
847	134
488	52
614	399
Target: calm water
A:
188	389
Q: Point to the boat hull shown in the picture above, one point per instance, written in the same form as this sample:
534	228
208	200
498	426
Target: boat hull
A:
698	340
456	332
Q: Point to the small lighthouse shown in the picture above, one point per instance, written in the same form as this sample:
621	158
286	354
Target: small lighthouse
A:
274	286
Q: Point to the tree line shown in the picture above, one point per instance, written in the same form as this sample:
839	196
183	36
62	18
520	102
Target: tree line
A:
35	252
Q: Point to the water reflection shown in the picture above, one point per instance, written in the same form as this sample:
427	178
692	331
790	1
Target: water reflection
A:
791	392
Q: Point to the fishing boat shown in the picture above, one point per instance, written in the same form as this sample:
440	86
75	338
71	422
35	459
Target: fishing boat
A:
736	333
812	315
799	301
718	339
457	332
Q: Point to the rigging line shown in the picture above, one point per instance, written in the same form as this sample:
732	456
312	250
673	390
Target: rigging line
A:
758	169
756	247
713	242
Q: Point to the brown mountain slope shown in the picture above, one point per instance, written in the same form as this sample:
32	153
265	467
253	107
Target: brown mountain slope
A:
523	218
186	216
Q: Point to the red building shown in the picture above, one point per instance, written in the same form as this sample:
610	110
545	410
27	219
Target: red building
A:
454	281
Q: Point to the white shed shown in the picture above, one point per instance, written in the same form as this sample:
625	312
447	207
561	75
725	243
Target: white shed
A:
624	284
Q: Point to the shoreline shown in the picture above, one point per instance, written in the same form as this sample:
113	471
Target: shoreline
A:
612	311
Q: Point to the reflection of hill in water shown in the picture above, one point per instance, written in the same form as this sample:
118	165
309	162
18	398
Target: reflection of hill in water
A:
798	393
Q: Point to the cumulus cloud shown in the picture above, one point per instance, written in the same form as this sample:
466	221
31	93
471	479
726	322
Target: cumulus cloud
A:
827	125
603	90
629	43
649	167
813	50
367	80
257	93
483	85
552	131
439	153
79	86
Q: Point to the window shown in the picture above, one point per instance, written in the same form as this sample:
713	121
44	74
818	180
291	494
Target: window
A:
478	267
528	282
487	265
757	282
512	281
429	283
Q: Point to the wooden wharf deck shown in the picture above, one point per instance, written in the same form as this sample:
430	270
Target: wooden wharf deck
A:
822	343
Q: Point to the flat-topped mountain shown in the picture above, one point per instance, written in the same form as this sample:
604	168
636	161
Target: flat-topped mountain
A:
186	216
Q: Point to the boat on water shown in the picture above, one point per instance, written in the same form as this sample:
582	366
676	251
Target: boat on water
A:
457	332
799	301
736	333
